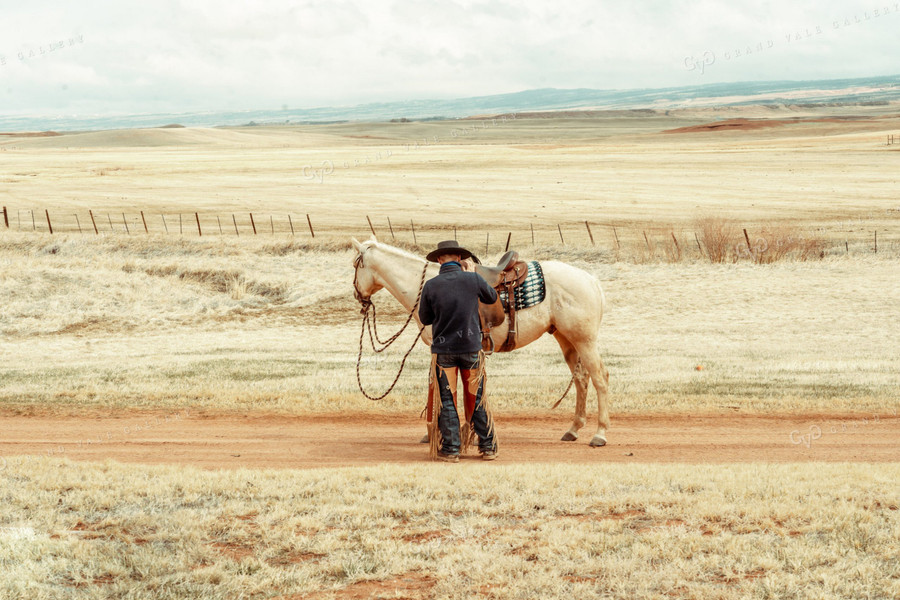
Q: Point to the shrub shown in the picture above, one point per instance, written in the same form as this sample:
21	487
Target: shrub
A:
718	236
780	242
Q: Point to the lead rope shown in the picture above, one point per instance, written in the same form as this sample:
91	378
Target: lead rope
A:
369	310
569	387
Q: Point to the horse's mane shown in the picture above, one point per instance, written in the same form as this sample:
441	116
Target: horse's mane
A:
393	250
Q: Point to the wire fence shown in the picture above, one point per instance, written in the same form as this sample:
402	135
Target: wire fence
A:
141	222
645	242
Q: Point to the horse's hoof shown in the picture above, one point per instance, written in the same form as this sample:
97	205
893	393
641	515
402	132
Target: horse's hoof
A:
598	441
424	439
569	437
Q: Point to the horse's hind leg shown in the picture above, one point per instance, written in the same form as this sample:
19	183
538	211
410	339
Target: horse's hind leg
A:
591	361
581	379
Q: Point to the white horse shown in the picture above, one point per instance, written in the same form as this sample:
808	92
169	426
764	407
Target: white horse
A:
571	311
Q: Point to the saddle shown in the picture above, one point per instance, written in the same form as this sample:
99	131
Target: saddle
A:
509	274
508	270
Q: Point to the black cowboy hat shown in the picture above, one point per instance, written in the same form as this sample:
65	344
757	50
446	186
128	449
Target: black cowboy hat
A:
450	247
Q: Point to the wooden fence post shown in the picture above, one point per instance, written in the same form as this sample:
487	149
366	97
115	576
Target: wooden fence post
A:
291	223
413	225
33	226
79	225
699	248
109	218
532	233
508	237
559	229
487	242
677	247
199	231
646	239
616	235
590	235
94	222
5	217
49	225
180	224
391	227
749	247
144	220
219	221
272	224
253	223
311	232
235	226
164	223
128	231
370	226
876	241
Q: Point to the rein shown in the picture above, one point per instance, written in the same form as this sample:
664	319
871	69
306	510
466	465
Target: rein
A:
369	323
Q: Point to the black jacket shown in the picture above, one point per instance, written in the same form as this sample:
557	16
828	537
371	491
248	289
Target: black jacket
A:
450	305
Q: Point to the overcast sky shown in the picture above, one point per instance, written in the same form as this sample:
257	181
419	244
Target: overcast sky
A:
119	57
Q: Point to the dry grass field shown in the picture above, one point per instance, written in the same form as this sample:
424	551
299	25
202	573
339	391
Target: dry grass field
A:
266	324
423	531
272	325
496	175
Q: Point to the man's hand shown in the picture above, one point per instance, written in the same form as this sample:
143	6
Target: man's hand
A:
467	264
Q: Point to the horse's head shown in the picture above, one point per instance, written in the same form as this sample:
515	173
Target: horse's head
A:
365	280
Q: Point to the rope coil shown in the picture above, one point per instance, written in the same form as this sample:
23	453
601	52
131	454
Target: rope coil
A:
370	324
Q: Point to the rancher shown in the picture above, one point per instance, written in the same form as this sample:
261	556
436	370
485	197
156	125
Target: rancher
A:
450	305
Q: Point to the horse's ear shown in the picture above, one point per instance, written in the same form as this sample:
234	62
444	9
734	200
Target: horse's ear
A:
372	238
357	244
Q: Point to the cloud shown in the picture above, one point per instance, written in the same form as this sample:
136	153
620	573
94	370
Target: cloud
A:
189	55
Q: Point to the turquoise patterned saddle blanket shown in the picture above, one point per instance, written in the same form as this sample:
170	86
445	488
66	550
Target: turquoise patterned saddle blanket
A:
531	292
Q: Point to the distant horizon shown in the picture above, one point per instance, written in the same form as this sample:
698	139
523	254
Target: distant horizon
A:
532	100
450	98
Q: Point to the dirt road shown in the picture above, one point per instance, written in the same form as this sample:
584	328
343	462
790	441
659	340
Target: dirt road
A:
277	441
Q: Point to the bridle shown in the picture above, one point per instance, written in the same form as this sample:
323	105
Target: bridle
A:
365	301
